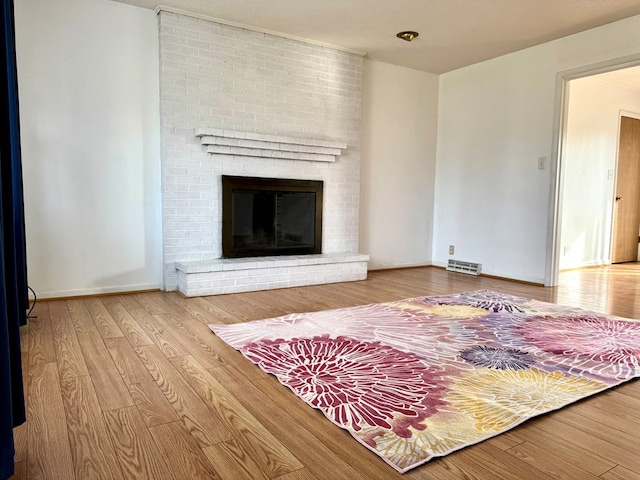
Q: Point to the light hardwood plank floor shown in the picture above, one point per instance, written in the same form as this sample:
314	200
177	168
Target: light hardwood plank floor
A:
137	387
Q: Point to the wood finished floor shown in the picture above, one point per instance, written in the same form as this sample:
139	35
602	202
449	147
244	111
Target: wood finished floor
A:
137	387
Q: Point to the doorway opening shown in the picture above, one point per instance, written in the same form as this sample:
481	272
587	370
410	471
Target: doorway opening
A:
591	103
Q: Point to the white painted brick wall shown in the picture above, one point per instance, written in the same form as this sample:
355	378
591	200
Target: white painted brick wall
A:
225	77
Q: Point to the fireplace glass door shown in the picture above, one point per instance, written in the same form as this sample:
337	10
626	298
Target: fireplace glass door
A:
266	216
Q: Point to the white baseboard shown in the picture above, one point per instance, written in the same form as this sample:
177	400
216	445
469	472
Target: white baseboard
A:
489	273
81	292
590	263
386	266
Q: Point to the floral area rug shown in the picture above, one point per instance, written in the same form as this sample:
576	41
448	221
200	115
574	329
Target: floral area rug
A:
422	377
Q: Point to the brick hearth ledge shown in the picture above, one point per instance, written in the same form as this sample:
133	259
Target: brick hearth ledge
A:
233	275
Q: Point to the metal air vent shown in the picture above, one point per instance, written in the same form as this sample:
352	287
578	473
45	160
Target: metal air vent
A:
464	267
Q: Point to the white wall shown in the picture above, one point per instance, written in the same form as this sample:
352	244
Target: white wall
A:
591	150
88	80
400	108
88	74
496	118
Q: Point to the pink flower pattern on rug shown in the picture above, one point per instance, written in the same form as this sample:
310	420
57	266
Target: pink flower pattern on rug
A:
594	343
357	384
422	377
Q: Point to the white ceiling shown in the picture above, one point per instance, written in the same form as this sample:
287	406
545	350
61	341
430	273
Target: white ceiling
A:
453	33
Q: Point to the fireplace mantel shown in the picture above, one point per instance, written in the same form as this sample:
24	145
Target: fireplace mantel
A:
247	144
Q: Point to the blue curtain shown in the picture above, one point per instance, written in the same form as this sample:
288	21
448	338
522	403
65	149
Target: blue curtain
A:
14	299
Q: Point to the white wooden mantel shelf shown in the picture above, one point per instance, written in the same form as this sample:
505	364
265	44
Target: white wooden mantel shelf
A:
246	144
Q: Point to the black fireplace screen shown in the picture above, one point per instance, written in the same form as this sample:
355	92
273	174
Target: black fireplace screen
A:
270	216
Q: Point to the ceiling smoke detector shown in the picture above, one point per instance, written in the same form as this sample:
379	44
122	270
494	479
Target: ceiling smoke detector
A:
408	35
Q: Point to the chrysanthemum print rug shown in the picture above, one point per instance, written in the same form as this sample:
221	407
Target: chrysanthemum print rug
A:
422	377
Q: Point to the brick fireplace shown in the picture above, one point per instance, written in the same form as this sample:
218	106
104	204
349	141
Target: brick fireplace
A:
242	103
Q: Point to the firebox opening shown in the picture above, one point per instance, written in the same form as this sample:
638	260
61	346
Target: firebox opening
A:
270	216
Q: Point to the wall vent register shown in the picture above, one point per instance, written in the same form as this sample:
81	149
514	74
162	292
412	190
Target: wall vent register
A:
464	267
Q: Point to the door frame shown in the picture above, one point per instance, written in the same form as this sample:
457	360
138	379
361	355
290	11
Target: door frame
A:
558	152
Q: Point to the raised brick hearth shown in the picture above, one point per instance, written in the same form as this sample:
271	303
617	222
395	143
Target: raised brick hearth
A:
233	275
